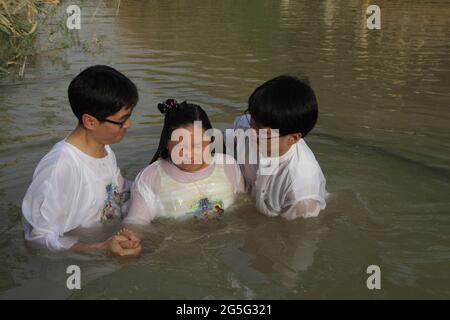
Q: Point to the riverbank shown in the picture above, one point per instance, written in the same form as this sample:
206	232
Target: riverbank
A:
19	24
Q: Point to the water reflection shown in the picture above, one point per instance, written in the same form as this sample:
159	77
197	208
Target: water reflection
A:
382	141
275	260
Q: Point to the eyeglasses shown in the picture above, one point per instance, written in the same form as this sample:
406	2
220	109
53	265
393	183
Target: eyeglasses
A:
118	123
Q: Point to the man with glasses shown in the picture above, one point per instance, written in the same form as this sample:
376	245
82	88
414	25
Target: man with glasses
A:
78	183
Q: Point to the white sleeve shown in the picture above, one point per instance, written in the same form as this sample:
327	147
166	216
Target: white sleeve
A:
123	183
144	207
233	173
48	204
302	209
308	195
242	122
125	186
243	153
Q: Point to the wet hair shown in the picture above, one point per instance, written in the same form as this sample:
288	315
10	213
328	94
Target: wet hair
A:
285	103
177	115
101	91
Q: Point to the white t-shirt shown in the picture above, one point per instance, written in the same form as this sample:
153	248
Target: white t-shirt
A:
164	190
292	185
71	189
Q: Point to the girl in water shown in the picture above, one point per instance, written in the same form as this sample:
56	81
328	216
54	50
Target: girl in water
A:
180	182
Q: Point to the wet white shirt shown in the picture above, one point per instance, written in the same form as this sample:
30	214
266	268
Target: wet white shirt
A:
71	189
291	185
164	190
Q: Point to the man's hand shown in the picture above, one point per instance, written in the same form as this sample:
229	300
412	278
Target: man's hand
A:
125	243
132	239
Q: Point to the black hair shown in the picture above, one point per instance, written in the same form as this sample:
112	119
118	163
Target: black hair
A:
101	91
177	115
285	103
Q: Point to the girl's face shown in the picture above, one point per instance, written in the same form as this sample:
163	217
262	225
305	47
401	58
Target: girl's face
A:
186	148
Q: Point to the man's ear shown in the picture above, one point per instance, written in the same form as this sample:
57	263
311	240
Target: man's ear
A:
89	122
294	138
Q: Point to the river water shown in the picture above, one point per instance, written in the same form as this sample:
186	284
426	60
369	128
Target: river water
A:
382	139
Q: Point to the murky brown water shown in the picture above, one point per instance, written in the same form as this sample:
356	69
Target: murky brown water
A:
383	142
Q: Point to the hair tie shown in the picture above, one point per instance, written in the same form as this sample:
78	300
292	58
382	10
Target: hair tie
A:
169	104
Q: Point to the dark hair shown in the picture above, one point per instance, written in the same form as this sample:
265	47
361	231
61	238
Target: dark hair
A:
177	115
101	91
285	103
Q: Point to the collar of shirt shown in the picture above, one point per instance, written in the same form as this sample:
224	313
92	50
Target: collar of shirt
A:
267	161
271	165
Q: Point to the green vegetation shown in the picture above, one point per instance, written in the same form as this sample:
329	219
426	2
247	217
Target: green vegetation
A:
19	23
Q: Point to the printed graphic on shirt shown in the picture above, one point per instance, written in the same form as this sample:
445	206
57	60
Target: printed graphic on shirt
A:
111	210
206	209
